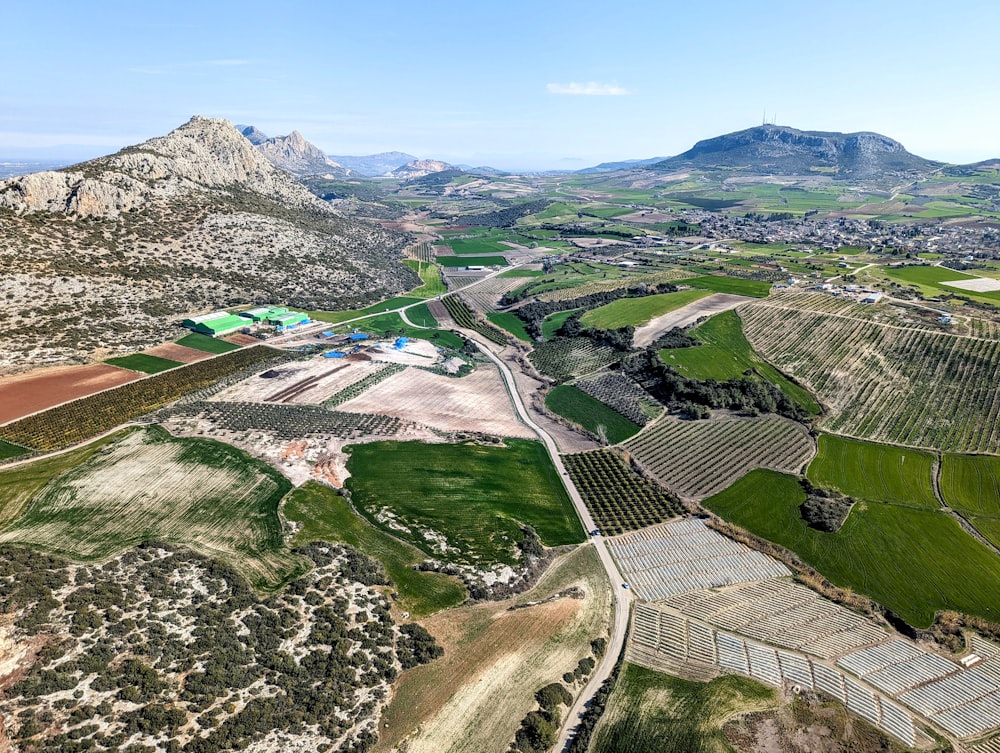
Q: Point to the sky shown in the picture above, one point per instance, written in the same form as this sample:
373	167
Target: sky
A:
547	84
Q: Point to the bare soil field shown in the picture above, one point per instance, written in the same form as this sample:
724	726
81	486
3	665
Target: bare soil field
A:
318	379
595	242
241	339
175	352
477	402
36	390
648	216
682	317
473	699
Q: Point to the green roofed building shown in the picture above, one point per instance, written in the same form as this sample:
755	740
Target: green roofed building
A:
216	323
288	318
263	313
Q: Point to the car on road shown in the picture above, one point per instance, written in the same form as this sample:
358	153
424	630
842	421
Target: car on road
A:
624	585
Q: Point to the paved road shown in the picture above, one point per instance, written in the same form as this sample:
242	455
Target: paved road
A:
622	597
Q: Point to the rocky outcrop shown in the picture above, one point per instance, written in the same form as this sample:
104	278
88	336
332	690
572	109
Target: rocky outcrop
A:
295	155
419	168
252	134
373	165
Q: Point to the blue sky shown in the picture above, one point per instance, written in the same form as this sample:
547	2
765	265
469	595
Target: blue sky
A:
514	84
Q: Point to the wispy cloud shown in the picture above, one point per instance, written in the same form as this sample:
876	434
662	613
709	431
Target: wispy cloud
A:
588	89
158	70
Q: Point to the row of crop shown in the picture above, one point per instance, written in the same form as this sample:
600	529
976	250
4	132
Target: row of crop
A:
466	318
699	458
622	395
567	358
651	279
617	497
486	296
288	421
89	416
361	386
909	386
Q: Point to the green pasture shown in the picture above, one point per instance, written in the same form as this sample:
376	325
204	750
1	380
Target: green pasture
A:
206	343
336	317
473	499
579	407
877	472
914	561
510	323
735	285
326	516
971	484
726	354
553	322
432	285
472	261
144	364
637	311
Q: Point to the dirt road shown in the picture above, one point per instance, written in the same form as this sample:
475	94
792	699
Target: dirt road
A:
622	597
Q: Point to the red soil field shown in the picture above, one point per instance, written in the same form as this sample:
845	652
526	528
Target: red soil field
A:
176	352
241	339
26	393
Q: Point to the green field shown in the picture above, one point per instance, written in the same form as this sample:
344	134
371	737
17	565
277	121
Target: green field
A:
876	472
652	712
477	246
579	407
326	516
473	498
636	311
932	281
336	317
421	316
735	285
208	344
726	354
522	273
145	364
432	285
392	325
9	450
471	261
149	486
552	323
913	561
971	484
510	323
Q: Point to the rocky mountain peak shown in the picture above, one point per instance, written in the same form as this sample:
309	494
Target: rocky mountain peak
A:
420	167
295	155
202	154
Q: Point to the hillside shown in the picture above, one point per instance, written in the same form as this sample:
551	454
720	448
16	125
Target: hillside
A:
419	168
789	151
111	253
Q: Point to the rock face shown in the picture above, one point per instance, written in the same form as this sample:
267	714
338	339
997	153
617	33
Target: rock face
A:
108	255
419	168
783	150
253	134
295	155
373	165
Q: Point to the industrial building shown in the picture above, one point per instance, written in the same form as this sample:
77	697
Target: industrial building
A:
216	323
279	316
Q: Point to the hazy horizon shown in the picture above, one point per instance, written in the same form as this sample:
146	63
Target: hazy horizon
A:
520	86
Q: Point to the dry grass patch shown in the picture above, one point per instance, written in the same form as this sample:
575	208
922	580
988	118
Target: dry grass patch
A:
473	699
152	487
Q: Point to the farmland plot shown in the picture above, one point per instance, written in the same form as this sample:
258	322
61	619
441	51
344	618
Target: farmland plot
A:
320	378
573	357
888	383
485	296
477	402
622	395
696	459
151	487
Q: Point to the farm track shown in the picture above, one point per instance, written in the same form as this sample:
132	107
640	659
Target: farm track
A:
292	391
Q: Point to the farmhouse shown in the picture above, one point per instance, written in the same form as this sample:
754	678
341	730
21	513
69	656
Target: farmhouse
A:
216	323
872	298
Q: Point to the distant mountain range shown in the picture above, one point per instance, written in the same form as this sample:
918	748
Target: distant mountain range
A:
374	165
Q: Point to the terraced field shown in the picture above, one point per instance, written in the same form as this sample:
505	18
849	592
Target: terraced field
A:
696	459
865	470
883	382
